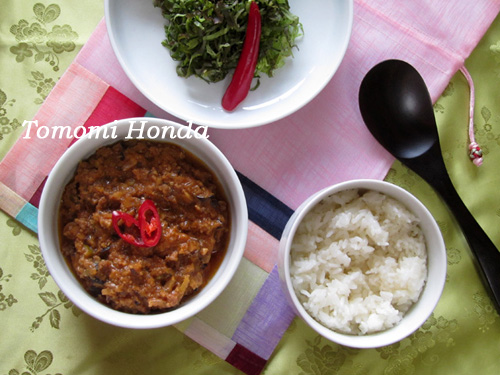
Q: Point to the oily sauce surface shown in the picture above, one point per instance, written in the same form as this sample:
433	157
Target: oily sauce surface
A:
194	217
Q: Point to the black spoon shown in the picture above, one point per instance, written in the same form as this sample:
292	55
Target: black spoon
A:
397	109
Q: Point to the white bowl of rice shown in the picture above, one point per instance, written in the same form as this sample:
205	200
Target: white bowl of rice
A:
363	263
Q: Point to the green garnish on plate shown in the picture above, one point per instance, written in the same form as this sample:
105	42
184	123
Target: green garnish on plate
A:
206	36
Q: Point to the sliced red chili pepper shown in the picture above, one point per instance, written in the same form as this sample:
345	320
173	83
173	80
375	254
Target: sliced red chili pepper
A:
148	225
240	84
121	218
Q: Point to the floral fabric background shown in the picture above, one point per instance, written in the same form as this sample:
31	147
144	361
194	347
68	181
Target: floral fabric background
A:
44	333
38	41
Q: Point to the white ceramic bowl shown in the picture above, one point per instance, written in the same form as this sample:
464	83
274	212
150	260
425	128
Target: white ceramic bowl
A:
436	267
49	231
136	30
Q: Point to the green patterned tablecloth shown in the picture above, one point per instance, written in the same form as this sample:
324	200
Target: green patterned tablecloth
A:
42	333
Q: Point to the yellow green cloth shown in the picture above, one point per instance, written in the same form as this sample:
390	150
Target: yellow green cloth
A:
42	333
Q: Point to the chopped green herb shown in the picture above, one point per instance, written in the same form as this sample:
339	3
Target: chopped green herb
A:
206	36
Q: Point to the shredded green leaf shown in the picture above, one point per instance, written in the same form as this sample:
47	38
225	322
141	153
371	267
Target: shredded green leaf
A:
206	37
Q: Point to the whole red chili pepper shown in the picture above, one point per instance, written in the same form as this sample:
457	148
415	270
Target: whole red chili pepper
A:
240	84
148	224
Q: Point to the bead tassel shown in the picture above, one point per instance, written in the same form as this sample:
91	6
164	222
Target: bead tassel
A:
475	152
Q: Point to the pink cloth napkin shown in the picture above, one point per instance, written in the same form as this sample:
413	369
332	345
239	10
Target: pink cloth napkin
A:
323	143
326	141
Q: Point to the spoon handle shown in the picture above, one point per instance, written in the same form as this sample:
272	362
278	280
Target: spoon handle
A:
432	169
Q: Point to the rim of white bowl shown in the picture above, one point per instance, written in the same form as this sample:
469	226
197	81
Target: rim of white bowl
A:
436	268
63	276
252	121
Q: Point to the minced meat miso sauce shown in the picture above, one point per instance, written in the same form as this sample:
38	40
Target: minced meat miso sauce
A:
194	217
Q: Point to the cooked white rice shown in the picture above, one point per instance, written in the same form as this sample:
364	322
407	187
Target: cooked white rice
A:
358	262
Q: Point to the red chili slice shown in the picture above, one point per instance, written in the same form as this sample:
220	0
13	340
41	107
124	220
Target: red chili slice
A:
121	218
241	82
148	225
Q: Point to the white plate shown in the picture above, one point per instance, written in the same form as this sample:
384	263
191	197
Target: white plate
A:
136	30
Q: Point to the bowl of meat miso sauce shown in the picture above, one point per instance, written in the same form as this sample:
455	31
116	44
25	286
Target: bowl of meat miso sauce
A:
142	223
